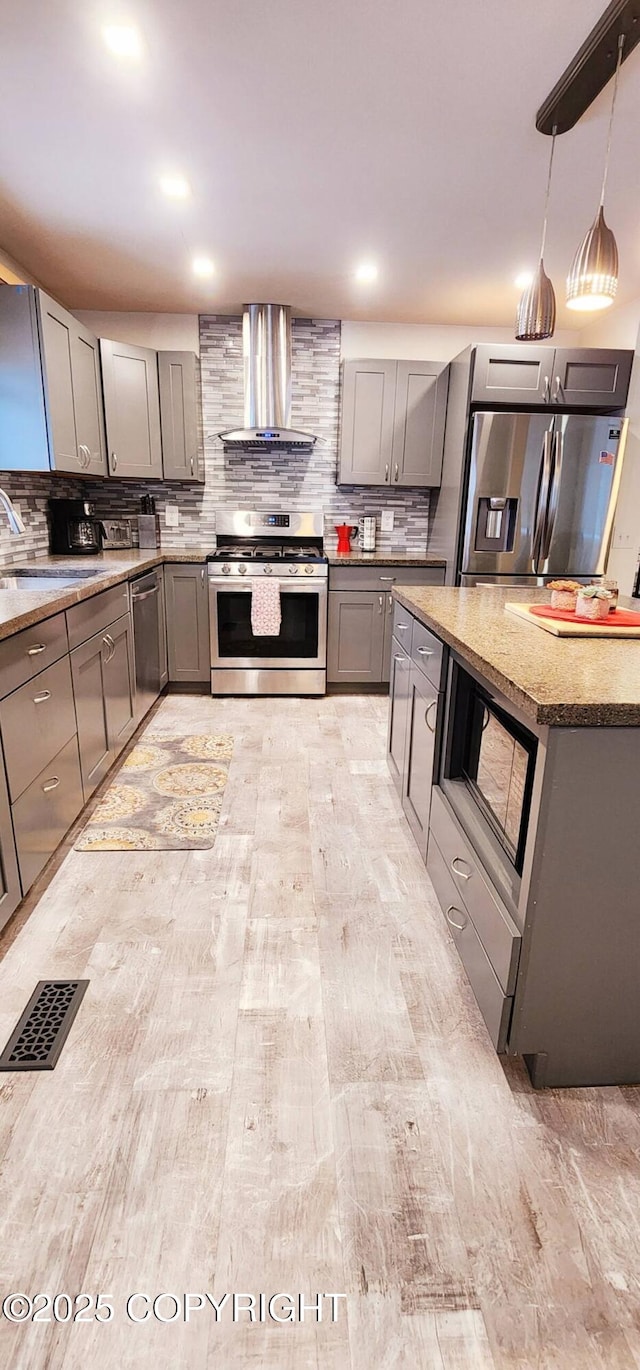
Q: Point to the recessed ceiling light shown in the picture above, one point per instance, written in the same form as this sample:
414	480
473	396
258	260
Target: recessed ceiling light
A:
367	271
523	280
175	187
123	40
203	266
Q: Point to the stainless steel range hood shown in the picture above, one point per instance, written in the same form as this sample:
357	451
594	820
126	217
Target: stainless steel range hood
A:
266	339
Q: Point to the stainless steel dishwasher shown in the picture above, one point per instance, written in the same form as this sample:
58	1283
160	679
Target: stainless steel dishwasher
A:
149	637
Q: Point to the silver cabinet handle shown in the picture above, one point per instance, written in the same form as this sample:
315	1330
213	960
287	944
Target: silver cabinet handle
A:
462	874
88	452
203	573
380	602
432	705
460	927
386	471
83	454
51	784
425	651
557	391
546	390
44	695
110	645
138	595
397	471
390	602
114	461
387	578
35	650
399	657
191	465
403	627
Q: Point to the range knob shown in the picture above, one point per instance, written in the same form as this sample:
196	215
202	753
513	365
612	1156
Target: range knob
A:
242	569
267	569
308	570
226	569
293	570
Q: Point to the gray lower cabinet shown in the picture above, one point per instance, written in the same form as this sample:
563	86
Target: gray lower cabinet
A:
45	811
187	608
51	412
398	712
104	690
180	416
420	747
10	891
37	720
132	410
392	422
356	636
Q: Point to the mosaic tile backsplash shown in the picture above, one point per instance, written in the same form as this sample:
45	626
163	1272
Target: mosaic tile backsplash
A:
236	480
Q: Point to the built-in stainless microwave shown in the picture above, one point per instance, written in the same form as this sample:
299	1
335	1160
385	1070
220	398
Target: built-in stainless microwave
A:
488	769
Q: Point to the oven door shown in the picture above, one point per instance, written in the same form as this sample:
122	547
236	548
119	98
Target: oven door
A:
301	642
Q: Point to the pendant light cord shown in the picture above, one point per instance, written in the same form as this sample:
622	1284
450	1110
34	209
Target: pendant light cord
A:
613	106
546	198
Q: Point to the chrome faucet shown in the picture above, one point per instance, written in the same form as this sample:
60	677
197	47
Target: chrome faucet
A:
15	522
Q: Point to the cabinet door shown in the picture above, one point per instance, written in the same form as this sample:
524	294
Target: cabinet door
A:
418	430
88	673
87	395
518	374
120	684
590	377
398	711
162	628
187	623
366	433
422	722
132	410
355	636
386	642
10	892
178	376
57	329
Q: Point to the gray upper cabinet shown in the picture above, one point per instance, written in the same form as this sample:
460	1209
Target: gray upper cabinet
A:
418	429
132	410
392	426
366	437
187	608
524	374
51	416
180	416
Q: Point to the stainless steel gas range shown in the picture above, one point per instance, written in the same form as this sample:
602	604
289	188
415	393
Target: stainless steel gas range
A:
287	547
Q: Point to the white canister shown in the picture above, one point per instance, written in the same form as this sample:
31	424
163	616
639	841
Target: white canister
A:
367	534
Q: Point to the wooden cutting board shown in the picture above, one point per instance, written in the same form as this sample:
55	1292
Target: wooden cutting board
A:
576	628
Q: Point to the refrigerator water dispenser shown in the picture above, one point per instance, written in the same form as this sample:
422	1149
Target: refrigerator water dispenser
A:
495	524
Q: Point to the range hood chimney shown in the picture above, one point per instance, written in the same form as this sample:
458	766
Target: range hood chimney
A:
266	341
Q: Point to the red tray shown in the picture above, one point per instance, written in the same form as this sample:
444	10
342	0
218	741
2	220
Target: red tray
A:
616	618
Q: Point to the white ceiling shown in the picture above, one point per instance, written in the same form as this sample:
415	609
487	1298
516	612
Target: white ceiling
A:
315	133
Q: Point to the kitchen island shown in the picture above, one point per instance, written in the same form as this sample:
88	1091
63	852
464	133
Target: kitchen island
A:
521	779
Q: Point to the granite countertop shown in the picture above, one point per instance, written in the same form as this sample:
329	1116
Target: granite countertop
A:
22	608
356	558
562	682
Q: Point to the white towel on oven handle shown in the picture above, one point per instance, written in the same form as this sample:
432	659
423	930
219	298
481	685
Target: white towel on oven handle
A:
266	613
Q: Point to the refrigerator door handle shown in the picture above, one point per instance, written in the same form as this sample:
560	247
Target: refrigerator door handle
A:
540	516
554	491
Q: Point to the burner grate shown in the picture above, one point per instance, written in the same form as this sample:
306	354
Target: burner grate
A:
43	1027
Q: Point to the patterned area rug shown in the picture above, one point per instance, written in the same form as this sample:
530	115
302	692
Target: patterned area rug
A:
166	796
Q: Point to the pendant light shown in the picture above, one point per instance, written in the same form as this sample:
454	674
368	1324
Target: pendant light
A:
536	316
593	279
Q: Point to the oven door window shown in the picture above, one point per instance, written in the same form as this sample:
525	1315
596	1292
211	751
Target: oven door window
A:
299	629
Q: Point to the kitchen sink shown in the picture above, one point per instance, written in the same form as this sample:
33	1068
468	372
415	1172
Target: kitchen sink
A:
45	579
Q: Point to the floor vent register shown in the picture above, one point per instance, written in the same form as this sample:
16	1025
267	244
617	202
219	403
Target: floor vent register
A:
43	1027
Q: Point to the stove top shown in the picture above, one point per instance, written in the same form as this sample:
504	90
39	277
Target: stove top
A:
267	551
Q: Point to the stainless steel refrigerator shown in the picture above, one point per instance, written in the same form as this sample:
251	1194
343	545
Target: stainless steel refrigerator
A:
540	496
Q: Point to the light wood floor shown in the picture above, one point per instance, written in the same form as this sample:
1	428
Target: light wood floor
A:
279	1081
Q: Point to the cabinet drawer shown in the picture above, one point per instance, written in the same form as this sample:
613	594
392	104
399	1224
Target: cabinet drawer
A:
426	652
382	578
494	925
494	1005
25	654
402	626
85	619
36	722
46	810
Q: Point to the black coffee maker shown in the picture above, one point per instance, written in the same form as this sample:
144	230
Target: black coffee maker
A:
73	527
